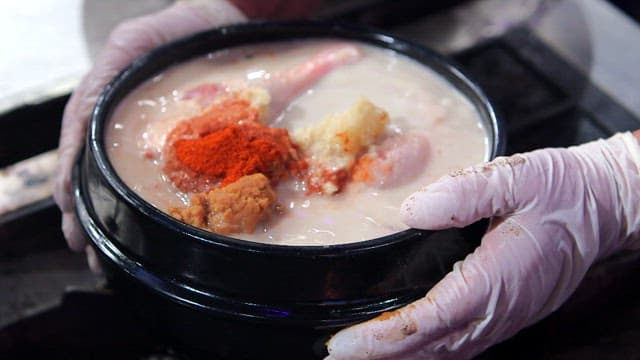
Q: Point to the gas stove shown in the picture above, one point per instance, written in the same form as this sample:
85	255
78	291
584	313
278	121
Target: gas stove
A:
553	87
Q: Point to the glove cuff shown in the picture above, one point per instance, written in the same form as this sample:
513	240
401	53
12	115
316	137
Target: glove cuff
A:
626	148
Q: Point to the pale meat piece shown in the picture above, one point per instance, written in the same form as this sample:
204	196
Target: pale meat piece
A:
396	161
333	144
287	85
235	208
282	86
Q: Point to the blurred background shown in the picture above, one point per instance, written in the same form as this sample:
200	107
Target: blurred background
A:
560	73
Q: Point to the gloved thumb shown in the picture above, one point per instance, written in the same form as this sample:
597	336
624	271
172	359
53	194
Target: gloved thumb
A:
465	196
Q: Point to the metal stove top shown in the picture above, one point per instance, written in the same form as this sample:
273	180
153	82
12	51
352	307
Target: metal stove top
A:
553	87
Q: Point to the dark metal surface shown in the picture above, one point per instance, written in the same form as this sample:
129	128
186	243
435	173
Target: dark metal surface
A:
545	101
85	325
30	130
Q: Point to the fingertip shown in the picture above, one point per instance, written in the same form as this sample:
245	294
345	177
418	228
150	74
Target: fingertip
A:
408	210
72	232
71	140
341	344
430	209
463	197
62	191
92	260
387	336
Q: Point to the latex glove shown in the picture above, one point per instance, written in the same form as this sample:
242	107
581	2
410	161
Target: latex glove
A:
555	212
128	41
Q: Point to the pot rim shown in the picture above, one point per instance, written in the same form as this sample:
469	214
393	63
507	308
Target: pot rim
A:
278	31
320	314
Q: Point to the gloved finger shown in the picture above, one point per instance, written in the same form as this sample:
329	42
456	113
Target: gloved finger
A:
509	282
448	309
465	196
72	232
92	260
128	41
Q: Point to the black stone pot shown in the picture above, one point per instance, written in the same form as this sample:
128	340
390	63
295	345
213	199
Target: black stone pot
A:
212	294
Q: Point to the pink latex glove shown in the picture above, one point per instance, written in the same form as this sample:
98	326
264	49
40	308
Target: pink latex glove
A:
128	41
555	212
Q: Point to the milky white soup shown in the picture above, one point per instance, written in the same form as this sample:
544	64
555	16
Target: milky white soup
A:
416	99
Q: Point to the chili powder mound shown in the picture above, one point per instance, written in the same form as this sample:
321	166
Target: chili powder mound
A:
236	151
225	143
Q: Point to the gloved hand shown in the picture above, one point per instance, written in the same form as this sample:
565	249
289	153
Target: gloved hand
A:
554	213
128	41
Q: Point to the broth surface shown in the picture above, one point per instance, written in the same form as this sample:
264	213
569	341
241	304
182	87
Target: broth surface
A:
416	99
